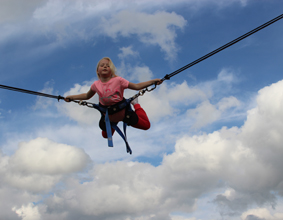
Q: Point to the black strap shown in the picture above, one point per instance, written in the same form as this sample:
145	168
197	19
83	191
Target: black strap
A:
168	76
31	92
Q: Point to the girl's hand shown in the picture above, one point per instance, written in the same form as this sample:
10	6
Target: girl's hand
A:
142	85
68	99
157	81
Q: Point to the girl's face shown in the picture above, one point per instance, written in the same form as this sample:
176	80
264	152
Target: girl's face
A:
104	69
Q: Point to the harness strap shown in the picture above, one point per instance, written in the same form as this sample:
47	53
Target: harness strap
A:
108	129
108	124
124	136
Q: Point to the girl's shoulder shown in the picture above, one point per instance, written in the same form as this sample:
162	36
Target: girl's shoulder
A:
115	79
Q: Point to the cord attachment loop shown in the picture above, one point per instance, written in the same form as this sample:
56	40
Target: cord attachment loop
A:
151	89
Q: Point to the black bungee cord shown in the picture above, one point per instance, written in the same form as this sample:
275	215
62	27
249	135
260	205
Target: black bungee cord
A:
31	92
166	77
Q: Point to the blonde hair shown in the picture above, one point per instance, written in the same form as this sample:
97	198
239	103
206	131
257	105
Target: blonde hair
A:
111	64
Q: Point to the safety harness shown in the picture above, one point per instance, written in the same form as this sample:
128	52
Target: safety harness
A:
110	110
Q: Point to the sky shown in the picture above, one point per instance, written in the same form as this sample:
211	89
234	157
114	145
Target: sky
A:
214	150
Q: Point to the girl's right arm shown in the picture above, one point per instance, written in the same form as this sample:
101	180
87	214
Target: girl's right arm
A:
83	96
142	85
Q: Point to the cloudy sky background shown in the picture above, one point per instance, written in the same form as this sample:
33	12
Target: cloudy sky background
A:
214	150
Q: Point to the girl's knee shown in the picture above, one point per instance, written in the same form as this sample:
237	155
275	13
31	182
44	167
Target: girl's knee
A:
147	126
104	133
144	125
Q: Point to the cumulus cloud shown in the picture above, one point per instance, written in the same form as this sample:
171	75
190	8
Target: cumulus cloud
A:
152	102
264	124
42	102
127	52
138	73
167	97
81	114
157	29
171	98
49	157
198	163
142	74
174	98
12	197
227	103
43	162
14	11
61	22
48	25
176	217
206	113
260	213
29	212
244	162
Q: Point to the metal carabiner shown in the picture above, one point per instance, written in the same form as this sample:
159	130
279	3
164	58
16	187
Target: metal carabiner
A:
141	92
149	90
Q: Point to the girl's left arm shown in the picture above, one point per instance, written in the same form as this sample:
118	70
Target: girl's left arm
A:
142	85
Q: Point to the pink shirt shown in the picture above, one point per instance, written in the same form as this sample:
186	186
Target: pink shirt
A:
111	93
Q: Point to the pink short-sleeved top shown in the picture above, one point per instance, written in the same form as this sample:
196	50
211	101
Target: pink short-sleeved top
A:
112	91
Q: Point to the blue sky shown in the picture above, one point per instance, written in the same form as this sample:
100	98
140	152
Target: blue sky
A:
214	147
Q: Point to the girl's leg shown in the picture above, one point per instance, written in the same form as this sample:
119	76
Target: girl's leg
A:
143	122
103	127
104	134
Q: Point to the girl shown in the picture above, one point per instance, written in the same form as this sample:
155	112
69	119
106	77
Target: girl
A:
110	89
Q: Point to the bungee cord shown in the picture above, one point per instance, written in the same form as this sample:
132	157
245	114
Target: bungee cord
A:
31	92
166	77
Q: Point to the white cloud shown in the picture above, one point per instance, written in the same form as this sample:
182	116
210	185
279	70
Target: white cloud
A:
164	98
171	98
227	103
244	162
43	162
48	25
81	114
156	29
44	183
12	10
206	113
127	52
261	213
264	125
141	73
29	212
15	11
176	217
138	73
183	94
131	191
42	102
226	78
50	158
216	90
